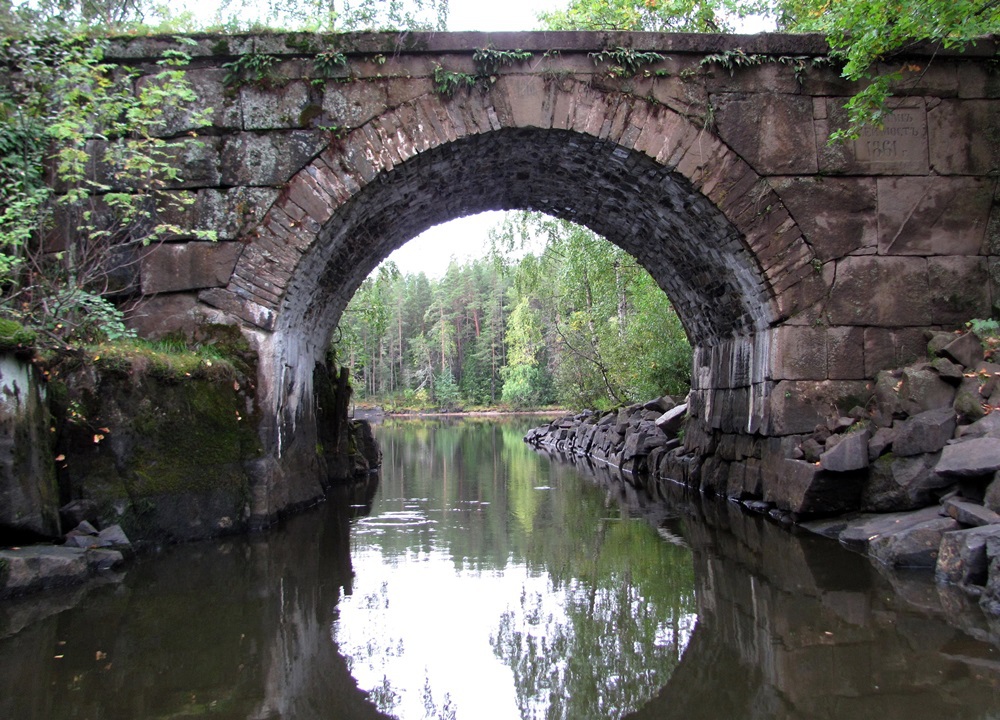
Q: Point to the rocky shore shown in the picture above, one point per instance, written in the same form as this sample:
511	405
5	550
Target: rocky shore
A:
912	478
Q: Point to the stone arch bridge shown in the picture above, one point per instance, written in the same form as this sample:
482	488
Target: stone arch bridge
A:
799	268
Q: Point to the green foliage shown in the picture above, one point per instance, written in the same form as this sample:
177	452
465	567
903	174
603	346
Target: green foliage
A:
71	121
329	62
651	15
581	324
330	16
625	62
864	34
984	327
489	60
488	63
446	82
250	69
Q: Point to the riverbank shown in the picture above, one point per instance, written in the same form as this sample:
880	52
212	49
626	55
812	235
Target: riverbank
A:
912	479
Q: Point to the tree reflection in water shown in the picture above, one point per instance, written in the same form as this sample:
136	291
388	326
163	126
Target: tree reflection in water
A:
480	551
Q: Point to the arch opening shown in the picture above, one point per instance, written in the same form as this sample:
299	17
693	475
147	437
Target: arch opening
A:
688	246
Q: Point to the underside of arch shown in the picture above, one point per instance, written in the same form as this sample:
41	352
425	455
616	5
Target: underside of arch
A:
688	246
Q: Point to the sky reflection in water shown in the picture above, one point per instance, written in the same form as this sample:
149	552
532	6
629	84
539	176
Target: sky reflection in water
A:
506	590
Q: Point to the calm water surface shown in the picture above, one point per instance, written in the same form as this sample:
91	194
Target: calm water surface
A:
478	579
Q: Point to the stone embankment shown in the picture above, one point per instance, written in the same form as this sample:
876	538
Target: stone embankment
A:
912	478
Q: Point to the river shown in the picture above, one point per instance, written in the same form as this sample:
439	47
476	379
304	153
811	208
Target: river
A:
477	579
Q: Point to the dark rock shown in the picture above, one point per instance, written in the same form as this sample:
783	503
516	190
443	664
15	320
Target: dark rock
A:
897	484
991	497
962	556
969	514
839	424
85	541
821	434
966	350
860	531
851	453
797	454
672	420
926	432
662	404
114	535
915	546
84	528
990	600
979	456
948	370
888	403
858	413
923	389
101	559
806	489
989	378
986	425
811	450
830	528
939	340
880	442
75	512
968	403
39	567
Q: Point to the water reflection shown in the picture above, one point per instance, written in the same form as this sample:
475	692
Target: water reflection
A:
500	585
486	581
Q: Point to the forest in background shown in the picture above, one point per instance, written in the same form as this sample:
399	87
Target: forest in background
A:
580	324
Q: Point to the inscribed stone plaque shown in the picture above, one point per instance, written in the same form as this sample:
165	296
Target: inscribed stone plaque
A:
899	146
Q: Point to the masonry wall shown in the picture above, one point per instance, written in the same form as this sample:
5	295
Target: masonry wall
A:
800	268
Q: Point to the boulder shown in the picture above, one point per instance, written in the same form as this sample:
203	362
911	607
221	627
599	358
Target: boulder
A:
962	555
811	450
926	432
114	535
897	484
101	559
987	425
860	531
966	350
915	546
968	513
938	340
672	420
880	442
75	512
968	403
991	498
949	371
84	528
974	458
662	404
851	453
921	389
39	567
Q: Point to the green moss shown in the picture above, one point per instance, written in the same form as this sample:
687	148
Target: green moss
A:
221	47
310	113
163	360
14	335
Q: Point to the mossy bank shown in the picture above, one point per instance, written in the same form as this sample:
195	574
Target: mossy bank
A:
159	438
